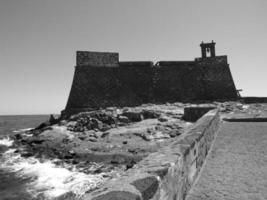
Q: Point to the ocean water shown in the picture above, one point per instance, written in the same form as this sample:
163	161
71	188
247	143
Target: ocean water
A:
11	123
33	179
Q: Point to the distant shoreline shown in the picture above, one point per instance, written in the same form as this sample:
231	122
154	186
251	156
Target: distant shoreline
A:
12	115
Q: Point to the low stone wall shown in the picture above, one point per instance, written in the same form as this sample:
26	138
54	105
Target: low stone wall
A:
193	113
246	119
249	100
167	174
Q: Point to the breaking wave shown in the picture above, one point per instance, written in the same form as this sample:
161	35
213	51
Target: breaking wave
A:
22	130
46	179
6	142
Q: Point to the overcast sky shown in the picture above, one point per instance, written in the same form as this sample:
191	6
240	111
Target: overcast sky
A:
38	40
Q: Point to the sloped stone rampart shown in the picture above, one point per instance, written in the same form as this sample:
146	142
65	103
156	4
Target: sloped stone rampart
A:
101	80
167	174
136	83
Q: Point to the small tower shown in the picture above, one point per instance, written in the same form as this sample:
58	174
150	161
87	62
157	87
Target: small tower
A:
207	48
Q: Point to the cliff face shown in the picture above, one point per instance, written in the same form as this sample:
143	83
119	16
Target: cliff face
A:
98	84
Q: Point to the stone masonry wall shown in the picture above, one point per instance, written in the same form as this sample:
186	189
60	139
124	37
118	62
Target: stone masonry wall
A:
249	100
96	87
90	58
193	113
134	83
167	174
207	79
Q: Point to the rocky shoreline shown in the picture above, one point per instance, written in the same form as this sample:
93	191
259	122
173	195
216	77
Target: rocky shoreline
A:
110	141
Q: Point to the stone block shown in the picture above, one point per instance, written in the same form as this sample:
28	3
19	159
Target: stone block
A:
193	113
147	186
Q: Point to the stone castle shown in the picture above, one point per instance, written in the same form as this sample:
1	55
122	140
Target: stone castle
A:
101	80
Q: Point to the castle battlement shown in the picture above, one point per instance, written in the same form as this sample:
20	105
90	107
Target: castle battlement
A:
91	58
101	80
111	59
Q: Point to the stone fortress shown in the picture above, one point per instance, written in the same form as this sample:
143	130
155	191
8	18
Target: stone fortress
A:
141	142
101	80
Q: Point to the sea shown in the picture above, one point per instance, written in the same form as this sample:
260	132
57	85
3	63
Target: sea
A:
33	179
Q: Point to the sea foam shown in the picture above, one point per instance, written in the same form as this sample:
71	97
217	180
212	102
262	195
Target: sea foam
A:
6	142
48	179
22	130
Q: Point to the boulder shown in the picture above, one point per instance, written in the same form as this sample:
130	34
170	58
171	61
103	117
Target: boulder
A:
42	125
144	135
105	134
147	186
123	119
52	120
150	114
96	124
103	116
159	135
92	139
134	116
163	118
174	133
90	133
98	134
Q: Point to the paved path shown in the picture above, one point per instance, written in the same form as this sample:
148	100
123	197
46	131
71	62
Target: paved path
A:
236	167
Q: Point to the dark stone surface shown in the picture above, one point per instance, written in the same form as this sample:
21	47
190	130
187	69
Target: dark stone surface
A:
90	58
133	116
147	186
248	119
193	113
250	100
129	85
98	85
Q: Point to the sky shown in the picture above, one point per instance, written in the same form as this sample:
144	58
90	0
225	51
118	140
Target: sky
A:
39	38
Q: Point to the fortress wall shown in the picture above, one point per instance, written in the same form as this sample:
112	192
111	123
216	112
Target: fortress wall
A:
217	81
96	87
174	82
193	81
134	83
169	173
136	80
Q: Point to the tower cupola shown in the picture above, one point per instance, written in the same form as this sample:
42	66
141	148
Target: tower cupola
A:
208	49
